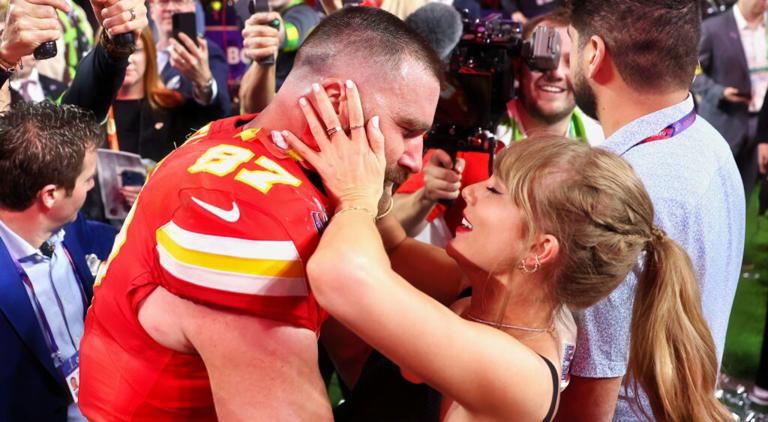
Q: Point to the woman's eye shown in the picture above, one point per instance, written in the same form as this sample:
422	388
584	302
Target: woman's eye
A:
493	190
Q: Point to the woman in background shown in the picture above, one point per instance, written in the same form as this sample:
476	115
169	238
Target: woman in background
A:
148	119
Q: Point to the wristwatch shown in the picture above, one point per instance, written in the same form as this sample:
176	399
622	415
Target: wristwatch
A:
207	89
6	70
114	51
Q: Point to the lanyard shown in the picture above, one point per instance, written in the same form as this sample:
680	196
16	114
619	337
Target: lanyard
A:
47	332
114	145
673	129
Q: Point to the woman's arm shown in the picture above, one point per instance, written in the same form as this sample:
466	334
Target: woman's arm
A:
426	267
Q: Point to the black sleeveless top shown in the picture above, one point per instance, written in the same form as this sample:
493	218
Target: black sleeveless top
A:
383	395
555	389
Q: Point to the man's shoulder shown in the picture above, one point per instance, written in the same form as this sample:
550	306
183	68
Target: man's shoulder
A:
714	24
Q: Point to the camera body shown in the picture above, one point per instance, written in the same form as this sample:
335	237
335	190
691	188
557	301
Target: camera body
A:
480	78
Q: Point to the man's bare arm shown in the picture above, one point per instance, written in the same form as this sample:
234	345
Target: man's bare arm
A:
411	210
259	369
589	400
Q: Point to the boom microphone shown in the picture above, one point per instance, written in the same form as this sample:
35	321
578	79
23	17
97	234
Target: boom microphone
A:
440	24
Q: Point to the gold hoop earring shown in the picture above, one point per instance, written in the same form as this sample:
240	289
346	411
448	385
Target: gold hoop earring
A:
524	268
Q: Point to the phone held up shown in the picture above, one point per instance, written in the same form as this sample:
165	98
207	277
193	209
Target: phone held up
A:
184	23
256	6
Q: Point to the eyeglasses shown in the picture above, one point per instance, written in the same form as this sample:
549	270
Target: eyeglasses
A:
166	3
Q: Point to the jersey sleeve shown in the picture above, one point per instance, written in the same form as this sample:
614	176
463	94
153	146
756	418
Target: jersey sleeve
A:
219	251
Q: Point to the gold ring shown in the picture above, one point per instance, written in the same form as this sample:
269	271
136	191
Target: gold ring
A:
356	127
331	131
133	14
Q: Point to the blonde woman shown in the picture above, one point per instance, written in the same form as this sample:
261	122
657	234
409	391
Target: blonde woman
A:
559	223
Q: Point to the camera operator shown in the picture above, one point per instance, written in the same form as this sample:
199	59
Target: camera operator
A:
545	105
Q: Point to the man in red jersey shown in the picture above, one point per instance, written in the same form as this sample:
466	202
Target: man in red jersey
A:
203	310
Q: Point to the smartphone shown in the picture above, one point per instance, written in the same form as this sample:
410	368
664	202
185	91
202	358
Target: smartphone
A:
184	23
131	178
256	6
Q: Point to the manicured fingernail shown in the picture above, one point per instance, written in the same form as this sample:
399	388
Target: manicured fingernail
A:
316	87
278	140
350	84
303	101
375	121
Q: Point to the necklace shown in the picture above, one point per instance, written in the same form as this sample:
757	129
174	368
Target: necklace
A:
514	327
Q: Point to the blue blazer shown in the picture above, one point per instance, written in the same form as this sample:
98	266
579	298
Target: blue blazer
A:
31	389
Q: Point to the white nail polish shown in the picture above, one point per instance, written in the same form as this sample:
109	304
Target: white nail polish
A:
278	140
316	87
375	121
350	84
303	101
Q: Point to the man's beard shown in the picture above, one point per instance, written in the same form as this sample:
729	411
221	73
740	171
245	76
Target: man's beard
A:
396	175
584	96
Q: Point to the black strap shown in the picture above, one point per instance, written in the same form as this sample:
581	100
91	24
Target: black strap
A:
555	389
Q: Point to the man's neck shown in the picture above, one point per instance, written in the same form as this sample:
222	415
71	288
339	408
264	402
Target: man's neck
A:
752	18
28	225
615	111
275	117
534	126
162	40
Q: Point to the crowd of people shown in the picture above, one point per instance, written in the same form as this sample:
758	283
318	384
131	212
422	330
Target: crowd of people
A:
293	226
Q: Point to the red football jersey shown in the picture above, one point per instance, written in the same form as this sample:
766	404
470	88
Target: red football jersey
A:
226	220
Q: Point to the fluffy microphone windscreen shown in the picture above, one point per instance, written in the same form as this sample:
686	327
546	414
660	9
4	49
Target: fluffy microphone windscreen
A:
440	24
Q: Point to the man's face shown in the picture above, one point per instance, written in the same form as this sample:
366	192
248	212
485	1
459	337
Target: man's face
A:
65	210
406	110
163	10
582	91
548	96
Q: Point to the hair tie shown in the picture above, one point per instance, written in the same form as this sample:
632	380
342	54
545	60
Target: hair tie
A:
658	234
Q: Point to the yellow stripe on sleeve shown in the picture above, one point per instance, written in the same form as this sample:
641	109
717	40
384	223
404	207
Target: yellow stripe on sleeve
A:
230	264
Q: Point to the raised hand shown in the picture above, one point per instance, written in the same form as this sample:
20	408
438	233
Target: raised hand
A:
28	24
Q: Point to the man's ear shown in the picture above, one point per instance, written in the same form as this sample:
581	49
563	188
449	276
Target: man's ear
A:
599	63
337	93
48	195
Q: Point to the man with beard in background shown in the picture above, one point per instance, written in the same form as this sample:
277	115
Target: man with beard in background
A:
633	63
545	104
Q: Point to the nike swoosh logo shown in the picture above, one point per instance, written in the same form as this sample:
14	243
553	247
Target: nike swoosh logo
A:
230	216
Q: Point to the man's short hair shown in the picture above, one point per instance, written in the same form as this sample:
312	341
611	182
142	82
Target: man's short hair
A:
375	38
557	17
42	144
652	42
